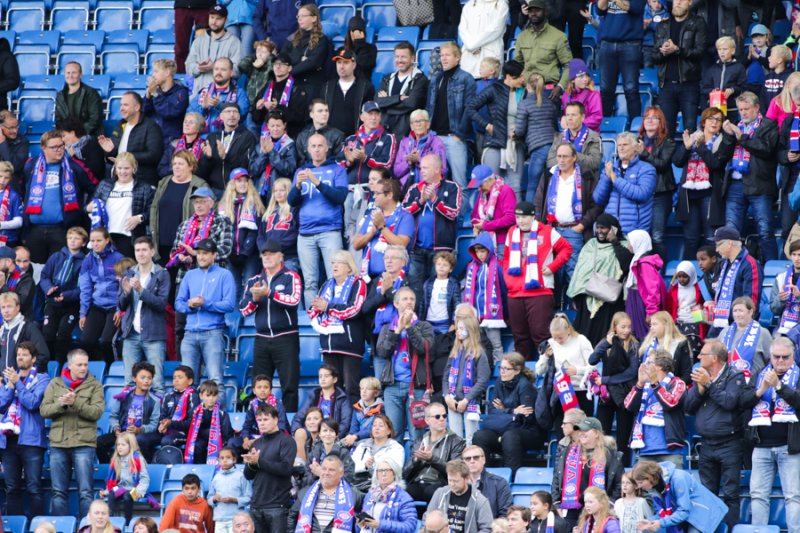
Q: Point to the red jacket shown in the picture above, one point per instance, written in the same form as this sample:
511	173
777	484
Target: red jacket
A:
672	305
549	242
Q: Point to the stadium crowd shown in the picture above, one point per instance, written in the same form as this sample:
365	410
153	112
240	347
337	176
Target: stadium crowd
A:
279	186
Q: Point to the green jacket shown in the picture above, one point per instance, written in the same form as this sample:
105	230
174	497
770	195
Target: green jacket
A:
257	78
546	52
74	425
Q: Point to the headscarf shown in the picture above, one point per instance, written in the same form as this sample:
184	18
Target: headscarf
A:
641	243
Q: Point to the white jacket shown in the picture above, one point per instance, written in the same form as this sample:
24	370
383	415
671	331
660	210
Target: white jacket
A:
483	24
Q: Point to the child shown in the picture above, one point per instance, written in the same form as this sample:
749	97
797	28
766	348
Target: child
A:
757	61
543	517
262	390
784	297
258	68
210	428
645	293
581	89
135	410
127	479
484	289
654	13
229	493
685	303
327	445
177	406
59	284
631	507
310	432
489	71
535	125
365	410
778	61
10	207
441	294
707	260
597	516
188	512
726	75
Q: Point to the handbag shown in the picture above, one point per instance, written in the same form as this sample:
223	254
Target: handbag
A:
602	287
414	12
416	408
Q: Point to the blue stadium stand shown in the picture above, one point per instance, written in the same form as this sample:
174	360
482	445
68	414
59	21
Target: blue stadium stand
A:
119	59
84	54
63	524
32	59
36	106
336	14
113	15
747	528
154	53
237	421
156	15
379	13
10	36
49	38
128	82
395	34
384	64
140	38
45	82
24	15
69	15
96	38
99	82
612	125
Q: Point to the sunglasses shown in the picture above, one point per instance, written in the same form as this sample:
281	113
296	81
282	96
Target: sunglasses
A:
472	457
438	417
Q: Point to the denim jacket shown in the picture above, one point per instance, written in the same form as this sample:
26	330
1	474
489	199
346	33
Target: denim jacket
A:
460	90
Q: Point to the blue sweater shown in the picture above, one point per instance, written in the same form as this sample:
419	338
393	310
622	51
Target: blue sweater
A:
230	483
98	281
31	424
218	289
66	278
320	206
621	25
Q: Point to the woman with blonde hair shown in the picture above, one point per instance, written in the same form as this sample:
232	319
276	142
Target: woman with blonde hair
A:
465	381
665	334
281	223
241	204
536	125
98	519
605	470
597	515
569	351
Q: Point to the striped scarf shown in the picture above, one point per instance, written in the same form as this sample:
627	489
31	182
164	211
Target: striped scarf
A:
491	315
651	412
69	193
697	175
225	94
791	313
379	242
532	276
136	467
99	214
783	412
741	356
343	513
722	307
196	149
192	234
571	488
182	407
11	418
323	323
741	157
467	382
552	194
214	436
579	138
794	133
487	202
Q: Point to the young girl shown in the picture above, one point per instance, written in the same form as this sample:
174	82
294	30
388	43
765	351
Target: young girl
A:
327	444
127	479
465	382
570	351
242	206
230	492
543	518
645	292
597	516
99	286
685	304
631	507
281	222
10	207
536	126
664	334
619	354
581	89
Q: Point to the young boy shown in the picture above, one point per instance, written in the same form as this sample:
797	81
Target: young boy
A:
59	283
177	406
262	390
484	290
726	75
489	71
778	61
230	492
135	410
364	410
784	297
188	512
440	295
654	13
708	261
210	428
11	213
757	62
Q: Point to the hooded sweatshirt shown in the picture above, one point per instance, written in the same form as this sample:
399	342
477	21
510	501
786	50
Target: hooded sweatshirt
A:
483	294
645	273
229	483
205	47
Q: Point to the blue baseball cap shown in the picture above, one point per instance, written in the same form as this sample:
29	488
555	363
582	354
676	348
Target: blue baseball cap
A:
237	173
479	174
203	192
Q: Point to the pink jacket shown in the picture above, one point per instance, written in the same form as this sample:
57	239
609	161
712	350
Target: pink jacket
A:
593	104
776	113
503	214
650	284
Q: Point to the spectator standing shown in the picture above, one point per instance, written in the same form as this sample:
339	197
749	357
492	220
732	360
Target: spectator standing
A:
166	100
10	70
23	439
83	148
320	114
216	43
746	341
281	93
258	69
280	223
726	75
666	335
780	56
449	93
275	155
544	49
679	50
275	21
11	213
188	14
75	403
228	148
80	101
581	89
493	212
645	293
239	23
402	91
230	492
13	147
420	142
481	29
308	49
536	124
364	53
347	94
739	275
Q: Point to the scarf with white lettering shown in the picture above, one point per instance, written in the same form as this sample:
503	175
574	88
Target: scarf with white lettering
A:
741	157
323	323
697	175
722	307
343	511
791	313
570	490
467	382
552	194
11	419
651	412
741	355
69	194
214	436
565	390
783	412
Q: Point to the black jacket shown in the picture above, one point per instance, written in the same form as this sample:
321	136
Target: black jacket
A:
590	209
9	72
760	181
540	526
170	402
672	399
497	491
276	314
30	332
495	96
214	169
342	411
15	151
620	367
449	447
786	184
513	393
309	72
93	158
142	199
614	470
692	48
792	397
272	477
146	144
89	106
661	159
366	57
720	410
395	112
296	112
420	339
334	137
358	503
362	91
723	76
717	162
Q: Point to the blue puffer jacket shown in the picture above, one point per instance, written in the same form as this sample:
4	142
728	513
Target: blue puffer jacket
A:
460	90
98	281
630	197
400	517
31	423
239	11
691	502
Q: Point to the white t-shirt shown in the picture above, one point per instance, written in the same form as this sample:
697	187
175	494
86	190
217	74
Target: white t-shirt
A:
123	142
120	207
137	318
437	310
566	188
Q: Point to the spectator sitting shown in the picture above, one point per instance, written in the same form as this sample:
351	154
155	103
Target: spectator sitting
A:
201	62
543	514
128	478
13	148
209	421
665	335
230	491
387	486
193	125
330	399
275	155
188	512
78	100
380	446
98	519
365	410
328	444
178	406
493	487
402	92
418	144
166	100
262	390
459	492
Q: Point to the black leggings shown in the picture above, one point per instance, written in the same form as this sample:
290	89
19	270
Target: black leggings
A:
127	505
59	323
98	333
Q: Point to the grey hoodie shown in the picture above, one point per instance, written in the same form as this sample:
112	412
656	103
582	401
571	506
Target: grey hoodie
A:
479	512
204	47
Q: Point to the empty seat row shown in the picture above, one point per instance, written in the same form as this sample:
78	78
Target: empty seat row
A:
106	15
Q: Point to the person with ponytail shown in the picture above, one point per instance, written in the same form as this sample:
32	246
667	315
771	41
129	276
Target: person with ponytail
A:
597	515
511	428
543	518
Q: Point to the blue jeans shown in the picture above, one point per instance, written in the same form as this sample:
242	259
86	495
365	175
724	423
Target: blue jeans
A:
246	34
764	462
456	159
208	347
62	461
617	58
396	403
134	349
309	249
736	204
697	231
243	269
683	97
576	240
536	165
16	460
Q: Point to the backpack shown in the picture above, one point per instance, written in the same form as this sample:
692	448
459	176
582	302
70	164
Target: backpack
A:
168	455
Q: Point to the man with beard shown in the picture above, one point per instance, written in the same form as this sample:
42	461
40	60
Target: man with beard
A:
209	47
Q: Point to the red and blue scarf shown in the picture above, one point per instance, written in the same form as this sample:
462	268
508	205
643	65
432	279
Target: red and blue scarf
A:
343	512
791	313
532	279
794	133
552	194
741	355
741	157
722	307
182	407
13	279
697	175
225	94
11	419
192	234
112	483
324	323
71	384
782	412
365	138
570	490
651	412
403	350
664	508
69	193
566	393
196	149
467	382
387	312
491	316
214	436
379	242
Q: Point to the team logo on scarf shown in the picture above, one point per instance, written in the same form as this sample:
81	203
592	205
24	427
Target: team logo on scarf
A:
781	411
69	194
741	355
791	313
532	278
651	413
741	157
570	497
343	511
722	306
467	382
324	323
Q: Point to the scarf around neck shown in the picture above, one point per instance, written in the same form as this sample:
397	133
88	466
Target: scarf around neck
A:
783	412
533	278
387	312
343	513
573	470
791	313
214	436
552	195
579	138
12	417
192	234
741	355
491	315
467	382
741	157
324	323
196	149
651	412
71	384
69	193
722	307
487	202
182	406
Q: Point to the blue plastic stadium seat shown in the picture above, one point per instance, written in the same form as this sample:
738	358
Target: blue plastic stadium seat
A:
636	123
49	38
156	52
157	15
609	148
399	33
337	15
69	15
176	473
32	59
95	38
25	16
100	82
612	125
379	14
747	528
110	392
119	59
237	421
63	524
162	36
15	524
128	82
98	369
84	54
137	37
43	82
52	368
384	64
310	356
113	15
503	472
10	36
157	475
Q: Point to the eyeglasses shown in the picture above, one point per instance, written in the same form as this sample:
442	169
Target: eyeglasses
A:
384	470
714	119
472	457
55	148
781	357
438	417
652	117
506	368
